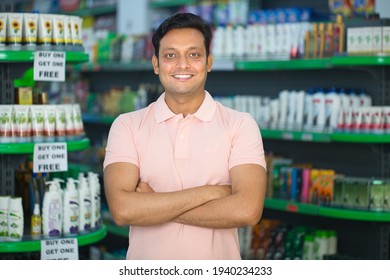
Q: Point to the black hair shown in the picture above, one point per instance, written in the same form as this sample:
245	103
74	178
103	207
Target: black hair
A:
179	21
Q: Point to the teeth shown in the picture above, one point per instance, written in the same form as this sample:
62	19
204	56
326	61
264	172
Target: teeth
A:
182	76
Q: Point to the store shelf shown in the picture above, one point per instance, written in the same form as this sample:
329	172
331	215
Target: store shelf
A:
295	135
35	245
325	137
93	11
293	64
329	212
98	119
156	4
360	60
113	66
28	56
360	138
322	63
27	148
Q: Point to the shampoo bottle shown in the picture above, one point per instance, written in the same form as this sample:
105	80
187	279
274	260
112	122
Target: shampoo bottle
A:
71	208
52	210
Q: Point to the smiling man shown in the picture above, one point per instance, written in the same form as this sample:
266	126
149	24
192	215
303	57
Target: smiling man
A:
186	171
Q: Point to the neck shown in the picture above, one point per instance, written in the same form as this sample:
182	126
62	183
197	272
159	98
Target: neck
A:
184	104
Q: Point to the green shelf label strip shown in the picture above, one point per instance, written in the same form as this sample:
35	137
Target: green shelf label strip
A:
28	56
329	212
27	148
35	245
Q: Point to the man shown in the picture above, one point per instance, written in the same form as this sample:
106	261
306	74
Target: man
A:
185	172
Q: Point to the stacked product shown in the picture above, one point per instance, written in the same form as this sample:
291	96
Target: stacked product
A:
34	31
40	123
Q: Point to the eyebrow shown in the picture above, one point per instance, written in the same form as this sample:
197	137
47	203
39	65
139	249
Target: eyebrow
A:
173	49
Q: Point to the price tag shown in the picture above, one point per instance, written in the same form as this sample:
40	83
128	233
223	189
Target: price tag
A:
287	136
59	249
50	157
292	208
49	66
307	137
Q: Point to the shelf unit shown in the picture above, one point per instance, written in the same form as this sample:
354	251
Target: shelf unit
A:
12	64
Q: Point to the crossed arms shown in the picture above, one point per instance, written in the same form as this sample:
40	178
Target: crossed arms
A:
135	203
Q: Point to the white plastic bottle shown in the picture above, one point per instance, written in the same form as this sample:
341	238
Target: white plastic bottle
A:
94	185
52	210
71	208
4	204
85	204
15	219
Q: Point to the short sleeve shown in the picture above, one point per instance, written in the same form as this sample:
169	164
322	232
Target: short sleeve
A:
121	144
247	144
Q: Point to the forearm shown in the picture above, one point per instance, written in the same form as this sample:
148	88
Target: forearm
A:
228	212
138	208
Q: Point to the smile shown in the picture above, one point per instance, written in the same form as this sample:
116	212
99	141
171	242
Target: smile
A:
182	76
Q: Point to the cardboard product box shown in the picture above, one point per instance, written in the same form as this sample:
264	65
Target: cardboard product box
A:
362	194
315	185
338	191
286	180
386	198
326	188
386	39
356	193
296	183
377	194
274	180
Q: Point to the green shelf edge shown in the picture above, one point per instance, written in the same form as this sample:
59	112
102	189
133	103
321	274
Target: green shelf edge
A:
293	64
324	137
28	56
26	148
104	119
329	212
92	11
360	138
145	65
169	3
353	60
117	230
35	245
295	135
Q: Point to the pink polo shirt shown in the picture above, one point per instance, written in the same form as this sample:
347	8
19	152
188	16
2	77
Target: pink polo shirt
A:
175	153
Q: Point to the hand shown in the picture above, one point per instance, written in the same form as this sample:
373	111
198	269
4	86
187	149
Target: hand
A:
143	187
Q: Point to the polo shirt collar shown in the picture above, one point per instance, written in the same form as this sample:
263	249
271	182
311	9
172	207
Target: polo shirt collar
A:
205	112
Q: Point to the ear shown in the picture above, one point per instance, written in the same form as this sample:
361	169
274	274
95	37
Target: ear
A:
155	64
209	62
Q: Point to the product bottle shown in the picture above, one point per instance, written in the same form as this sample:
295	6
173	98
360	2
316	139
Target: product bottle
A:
36	222
15	219
71	208
85	204
52	210
338	35
320	40
94	186
328	40
4	204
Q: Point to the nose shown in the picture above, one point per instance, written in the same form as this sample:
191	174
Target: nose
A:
182	62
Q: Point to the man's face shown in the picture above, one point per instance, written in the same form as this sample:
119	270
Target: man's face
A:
182	65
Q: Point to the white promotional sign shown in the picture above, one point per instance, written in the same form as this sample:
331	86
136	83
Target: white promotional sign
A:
59	249
49	66
50	157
